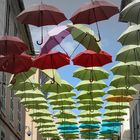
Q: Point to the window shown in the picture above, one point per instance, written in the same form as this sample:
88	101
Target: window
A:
12	106
19	116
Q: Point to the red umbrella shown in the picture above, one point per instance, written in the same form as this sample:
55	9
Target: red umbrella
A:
94	11
10	45
15	63
41	15
90	58
51	60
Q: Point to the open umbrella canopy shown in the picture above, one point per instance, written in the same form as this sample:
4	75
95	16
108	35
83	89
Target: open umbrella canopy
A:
91	101
130	36
111	124
68	131
89	130
119	106
65	114
122	91
70	136
52	134
68	127
89	120
113	119
43	119
63	95
45	125
86	136
54	38
89	107
61	107
27	85
66	121
89	86
85	36
51	60
91	73
131	12
92	126
94	11
62	102
37	106
11	45
119	98
39	112
29	94
94	113
129	68
33	100
90	94
42	130
55	87
129	53
123	81
90	58
40	15
15	63
115	113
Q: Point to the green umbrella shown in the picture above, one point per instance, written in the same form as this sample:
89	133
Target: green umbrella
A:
89	86
50	135
129	53
63	95
70	136
113	119
45	125
122	81
94	113
29	94
53	74
36	106
90	95
43	119
84	36
119	106
42	130
54	87
66	121
33	100
129	68
89	107
68	101
39	112
23	76
63	107
88	136
131	12
27	85
115	113
91	73
131	36
89	120
122	91
91	101
65	114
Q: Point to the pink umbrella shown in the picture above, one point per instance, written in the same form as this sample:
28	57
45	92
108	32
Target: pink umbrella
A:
54	38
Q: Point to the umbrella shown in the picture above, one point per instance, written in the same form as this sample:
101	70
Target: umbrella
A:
89	121
11	45
92	126
94	113
65	114
64	95
40	113
36	106
29	94
131	36
54	38
54	87
91	101
131	12
89	107
15	63
115	113
43	119
119	98
119	106
111	124
91	73
113	119
62	102
70	136
89	130
51	60
123	81
90	58
68	127
51	135
41	15
122	91
68	131
42	130
129	53
66	121
90	94
85	36
89	86
58	107
89	136
129	68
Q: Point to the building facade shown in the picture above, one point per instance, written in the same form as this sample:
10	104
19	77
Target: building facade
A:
12	113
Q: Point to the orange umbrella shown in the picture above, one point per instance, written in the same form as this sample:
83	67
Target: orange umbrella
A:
90	130
119	98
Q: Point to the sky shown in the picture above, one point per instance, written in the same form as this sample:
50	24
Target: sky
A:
110	31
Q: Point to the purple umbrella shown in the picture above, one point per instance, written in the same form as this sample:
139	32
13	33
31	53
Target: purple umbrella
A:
54	38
